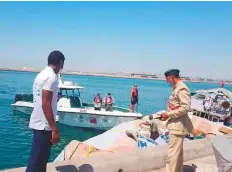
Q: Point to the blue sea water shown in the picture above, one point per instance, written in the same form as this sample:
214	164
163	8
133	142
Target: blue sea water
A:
15	136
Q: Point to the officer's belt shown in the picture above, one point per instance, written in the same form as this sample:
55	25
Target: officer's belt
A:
174	108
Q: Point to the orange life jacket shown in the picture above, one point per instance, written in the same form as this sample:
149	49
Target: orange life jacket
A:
110	100
97	99
222	84
135	92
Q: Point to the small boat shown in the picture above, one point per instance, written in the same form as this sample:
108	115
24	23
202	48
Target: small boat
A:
212	104
72	111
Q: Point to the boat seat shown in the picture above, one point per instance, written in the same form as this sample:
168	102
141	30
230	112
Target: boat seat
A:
64	102
84	104
30	99
24	97
75	101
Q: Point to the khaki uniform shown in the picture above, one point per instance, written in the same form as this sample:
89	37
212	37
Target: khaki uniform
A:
179	124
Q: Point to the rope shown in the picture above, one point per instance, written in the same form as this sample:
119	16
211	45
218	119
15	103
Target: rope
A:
72	152
91	149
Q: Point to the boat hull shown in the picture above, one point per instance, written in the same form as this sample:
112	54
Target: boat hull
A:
86	120
23	109
101	120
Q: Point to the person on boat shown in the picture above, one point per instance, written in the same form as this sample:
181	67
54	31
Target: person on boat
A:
218	96
208	103
109	101
217	101
43	117
222	84
178	121
147	128
134	98
97	102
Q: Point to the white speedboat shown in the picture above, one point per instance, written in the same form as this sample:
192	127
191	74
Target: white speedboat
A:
72	111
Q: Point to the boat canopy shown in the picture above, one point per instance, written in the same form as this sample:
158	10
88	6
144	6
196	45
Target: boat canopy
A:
68	85
226	92
73	87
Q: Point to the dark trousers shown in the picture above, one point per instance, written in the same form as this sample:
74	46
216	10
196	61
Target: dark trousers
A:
109	107
135	100
97	108
40	151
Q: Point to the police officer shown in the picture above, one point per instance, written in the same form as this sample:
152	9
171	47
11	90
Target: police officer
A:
178	121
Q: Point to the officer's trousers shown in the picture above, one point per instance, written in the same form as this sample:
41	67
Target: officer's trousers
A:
175	153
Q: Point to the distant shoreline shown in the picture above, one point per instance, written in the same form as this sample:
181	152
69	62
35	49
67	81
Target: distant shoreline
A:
115	75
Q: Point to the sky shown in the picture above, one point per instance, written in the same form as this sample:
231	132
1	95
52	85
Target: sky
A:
150	37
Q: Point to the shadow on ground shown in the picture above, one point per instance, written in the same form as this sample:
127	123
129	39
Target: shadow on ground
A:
72	168
188	168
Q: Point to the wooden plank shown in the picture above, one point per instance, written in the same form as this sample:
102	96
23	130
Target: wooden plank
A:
225	130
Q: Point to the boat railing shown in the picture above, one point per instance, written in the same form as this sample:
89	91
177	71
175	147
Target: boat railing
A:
210	115
24	97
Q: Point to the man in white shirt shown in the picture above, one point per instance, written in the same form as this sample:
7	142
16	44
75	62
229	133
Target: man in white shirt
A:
42	121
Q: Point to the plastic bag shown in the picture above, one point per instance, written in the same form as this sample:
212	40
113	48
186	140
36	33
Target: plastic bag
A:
222	146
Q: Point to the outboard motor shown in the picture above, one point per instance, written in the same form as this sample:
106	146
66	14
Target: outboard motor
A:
18	97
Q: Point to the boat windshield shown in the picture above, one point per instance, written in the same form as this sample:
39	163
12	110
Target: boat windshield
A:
73	95
69	92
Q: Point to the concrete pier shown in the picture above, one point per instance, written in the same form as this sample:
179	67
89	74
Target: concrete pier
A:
138	160
205	164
